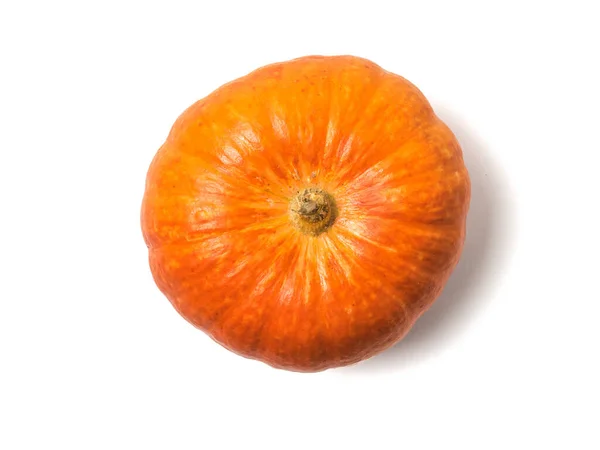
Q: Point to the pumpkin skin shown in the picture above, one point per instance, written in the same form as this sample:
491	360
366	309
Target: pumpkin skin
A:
307	214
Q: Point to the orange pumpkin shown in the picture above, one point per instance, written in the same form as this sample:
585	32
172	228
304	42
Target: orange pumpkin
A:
307	214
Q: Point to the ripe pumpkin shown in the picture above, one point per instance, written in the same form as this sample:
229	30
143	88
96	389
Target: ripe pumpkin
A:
307	214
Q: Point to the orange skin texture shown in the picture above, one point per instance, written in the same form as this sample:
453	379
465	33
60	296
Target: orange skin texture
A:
216	212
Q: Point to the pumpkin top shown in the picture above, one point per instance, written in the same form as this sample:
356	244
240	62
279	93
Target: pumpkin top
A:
312	211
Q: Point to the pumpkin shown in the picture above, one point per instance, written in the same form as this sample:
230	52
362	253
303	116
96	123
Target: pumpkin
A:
307	214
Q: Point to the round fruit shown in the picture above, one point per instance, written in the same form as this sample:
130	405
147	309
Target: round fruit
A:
307	214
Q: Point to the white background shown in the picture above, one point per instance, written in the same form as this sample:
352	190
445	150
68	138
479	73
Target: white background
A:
92	356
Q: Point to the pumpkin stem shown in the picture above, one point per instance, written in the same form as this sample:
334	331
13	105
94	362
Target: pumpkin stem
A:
313	211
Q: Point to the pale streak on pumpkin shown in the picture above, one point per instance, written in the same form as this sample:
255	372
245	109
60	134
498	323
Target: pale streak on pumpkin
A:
215	212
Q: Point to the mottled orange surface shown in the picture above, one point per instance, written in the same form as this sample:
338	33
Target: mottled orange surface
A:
216	213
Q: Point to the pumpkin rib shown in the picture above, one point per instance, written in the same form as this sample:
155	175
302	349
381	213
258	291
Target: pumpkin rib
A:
411	268
375	144
411	139
374	86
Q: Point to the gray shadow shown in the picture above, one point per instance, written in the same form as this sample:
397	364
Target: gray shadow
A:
486	244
